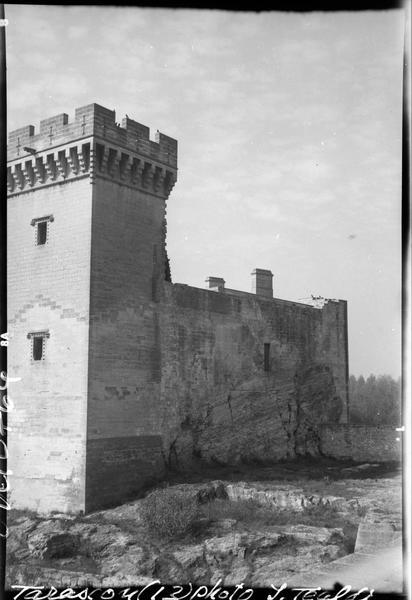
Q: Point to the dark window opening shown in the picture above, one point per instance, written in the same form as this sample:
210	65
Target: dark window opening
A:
41	233
41	229
99	155
38	342
267	357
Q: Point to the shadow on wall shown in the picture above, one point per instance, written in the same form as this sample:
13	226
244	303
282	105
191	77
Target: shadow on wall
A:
260	421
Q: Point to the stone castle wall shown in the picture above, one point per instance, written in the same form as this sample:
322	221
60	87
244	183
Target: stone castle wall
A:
219	403
48	290
123	432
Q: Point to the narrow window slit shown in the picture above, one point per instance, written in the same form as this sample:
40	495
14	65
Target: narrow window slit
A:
41	233
267	357
38	348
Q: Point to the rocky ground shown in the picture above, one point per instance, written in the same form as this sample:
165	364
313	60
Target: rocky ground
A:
257	532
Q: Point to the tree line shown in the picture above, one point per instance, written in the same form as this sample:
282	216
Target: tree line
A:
375	400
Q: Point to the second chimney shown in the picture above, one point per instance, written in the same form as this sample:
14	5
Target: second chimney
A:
216	283
262	283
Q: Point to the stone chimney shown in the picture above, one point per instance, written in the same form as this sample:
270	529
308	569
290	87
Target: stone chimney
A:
262	284
216	283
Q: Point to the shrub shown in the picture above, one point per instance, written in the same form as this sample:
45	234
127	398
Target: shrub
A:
168	513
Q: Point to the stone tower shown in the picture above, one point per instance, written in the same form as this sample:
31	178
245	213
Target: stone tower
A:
86	266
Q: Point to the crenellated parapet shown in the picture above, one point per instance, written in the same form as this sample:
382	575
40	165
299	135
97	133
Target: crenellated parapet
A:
93	145
48	167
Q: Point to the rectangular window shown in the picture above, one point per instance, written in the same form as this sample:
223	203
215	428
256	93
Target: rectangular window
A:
267	357
41	233
38	344
38	347
41	229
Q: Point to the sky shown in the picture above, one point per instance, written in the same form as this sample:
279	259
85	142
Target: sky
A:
289	131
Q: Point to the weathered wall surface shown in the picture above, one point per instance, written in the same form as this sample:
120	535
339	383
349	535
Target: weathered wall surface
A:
374	444
334	347
124	445
218	402
48	289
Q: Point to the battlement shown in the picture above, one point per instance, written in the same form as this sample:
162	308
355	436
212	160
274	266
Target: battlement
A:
93	145
97	121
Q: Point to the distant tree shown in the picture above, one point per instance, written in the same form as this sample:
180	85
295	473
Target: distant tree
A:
376	401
